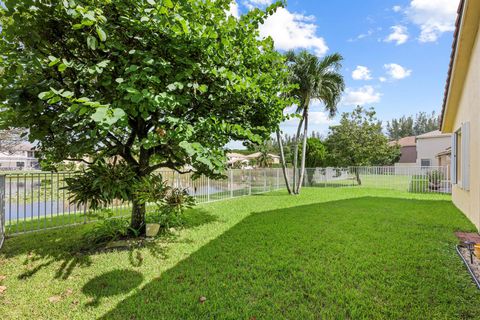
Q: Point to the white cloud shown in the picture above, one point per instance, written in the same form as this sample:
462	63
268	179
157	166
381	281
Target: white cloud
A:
399	35
361	73
292	31
361	96
396	8
396	71
382	79
233	11
434	17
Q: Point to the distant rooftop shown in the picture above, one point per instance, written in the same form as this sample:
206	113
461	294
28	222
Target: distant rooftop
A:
433	134
404	142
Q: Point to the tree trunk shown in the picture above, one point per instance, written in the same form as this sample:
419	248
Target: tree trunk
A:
304	151
295	155
138	217
282	160
357	176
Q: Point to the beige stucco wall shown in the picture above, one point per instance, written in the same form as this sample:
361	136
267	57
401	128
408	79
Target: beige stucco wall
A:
428	148
469	110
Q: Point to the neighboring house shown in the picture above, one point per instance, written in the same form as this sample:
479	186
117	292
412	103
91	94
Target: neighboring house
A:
256	155
245	159
444	157
429	145
408	149
20	157
461	110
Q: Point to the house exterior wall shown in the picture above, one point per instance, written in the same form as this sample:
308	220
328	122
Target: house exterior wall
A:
468	201
428	148
408	154
18	160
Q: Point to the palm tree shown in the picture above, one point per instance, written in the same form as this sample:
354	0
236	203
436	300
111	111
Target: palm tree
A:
264	160
315	79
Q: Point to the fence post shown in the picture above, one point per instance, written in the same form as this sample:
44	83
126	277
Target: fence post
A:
2	210
208	189
231	183
249	182
264	179
278	178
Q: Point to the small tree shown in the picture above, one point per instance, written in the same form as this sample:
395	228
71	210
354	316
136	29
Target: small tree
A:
358	141
315	156
158	83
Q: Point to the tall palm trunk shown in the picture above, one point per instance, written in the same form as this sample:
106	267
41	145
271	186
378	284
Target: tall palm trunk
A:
295	155
304	150
282	160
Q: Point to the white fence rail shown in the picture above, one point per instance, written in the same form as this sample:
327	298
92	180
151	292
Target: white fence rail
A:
407	178
38	200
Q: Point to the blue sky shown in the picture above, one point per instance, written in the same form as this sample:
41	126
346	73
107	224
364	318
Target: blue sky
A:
396	52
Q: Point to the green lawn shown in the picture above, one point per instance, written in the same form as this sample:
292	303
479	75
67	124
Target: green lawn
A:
330	253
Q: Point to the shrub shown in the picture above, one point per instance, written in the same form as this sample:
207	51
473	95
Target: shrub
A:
169	202
100	184
109	229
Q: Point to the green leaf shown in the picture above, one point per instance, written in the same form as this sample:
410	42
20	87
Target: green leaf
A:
103	64
100	114
77	26
168	4
92	42
62	67
101	34
119	80
151	2
67	94
45	95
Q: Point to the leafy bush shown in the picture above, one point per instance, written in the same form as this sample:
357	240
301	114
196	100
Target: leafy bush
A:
100	184
109	229
435	178
169	202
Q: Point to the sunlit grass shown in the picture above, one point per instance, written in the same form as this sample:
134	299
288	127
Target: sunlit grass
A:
327	253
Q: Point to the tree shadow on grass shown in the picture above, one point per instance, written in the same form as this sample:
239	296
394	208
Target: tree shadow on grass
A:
357	258
68	247
110	284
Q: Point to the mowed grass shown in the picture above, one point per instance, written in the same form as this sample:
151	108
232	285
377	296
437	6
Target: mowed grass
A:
330	253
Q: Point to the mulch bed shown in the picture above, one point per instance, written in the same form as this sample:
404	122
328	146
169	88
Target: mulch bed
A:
473	264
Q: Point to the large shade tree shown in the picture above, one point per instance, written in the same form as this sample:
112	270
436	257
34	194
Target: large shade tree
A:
157	83
359	141
314	79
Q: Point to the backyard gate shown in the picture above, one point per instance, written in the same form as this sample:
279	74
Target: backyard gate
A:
2	210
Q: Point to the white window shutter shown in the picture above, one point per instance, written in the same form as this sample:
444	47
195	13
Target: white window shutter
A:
466	156
453	159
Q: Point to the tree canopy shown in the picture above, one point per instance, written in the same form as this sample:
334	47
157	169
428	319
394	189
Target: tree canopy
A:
412	126
358	141
156	83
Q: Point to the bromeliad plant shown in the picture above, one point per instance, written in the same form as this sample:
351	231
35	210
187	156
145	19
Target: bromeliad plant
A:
157	83
169	202
101	184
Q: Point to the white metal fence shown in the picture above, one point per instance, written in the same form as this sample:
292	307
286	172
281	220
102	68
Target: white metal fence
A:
38	200
402	178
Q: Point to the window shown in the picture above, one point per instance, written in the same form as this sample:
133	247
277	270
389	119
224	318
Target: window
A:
30	154
425	163
20	164
460	165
